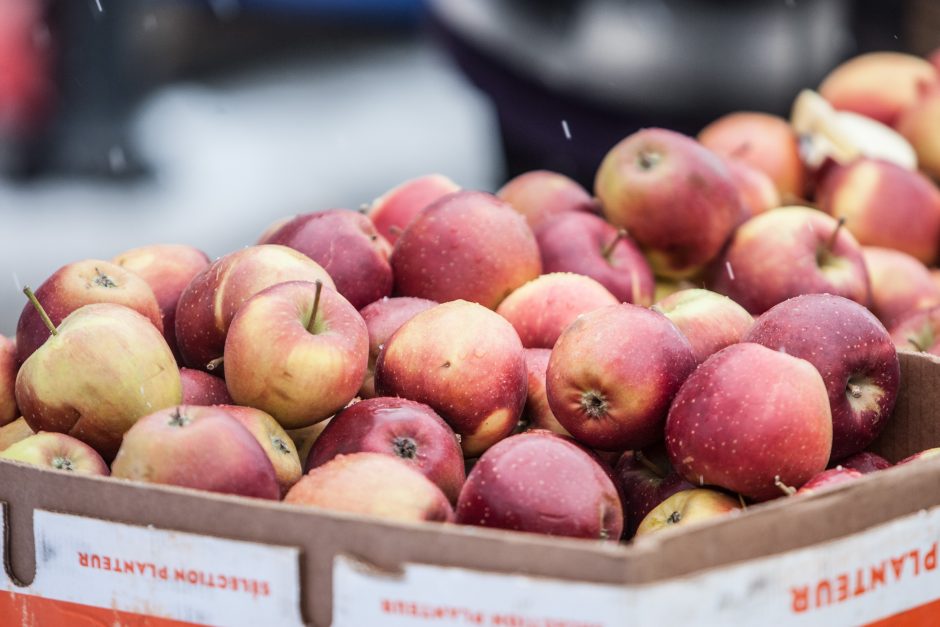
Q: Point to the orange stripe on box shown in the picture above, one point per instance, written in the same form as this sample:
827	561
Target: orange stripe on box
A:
26	610
923	616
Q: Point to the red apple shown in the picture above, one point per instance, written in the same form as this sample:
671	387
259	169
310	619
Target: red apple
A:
274	441
464	361
920	125
756	189
470	246
541	482
57	451
208	304
885	205
879	85
383	318
348	247
919	331
851	350
13	432
828	478
787	252
77	284
710	321
763	141
613	373
541	309
196	447
537	414
900	284
393	211
687	507
643	486
8	368
727	423
167	269
296	352
865	462
105	367
540	195
675	198
372	484
395	426
585	244
926	454
202	388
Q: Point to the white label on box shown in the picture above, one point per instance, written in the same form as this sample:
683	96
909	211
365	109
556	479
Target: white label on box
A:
167	574
861	578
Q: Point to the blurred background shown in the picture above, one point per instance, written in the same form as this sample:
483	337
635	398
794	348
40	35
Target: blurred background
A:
129	122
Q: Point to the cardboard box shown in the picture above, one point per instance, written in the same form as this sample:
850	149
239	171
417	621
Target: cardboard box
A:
93	551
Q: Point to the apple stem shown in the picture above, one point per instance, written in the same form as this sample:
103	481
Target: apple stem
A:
609	248
395	230
316	302
786	489
913	342
835	234
215	363
741	501
855	390
650	465
42	312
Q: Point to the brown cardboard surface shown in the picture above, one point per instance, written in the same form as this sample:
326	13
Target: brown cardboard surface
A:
771	528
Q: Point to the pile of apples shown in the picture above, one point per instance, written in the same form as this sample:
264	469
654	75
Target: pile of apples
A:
710	329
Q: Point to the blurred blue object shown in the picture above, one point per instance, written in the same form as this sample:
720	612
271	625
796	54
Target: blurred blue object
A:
408	11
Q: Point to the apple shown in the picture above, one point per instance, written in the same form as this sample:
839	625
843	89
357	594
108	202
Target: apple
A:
687	507
104	367
787	252
383	318
541	309
537	414
8	368
305	437
298	351
900	284
468	245
82	283
13	432
202	388
674	197
346	244
167	269
643	486
920	125
727	424
879	85
919	331
756	189
763	141
828	136
828	478
613	374
540	195
395	426
541	482
934	58
57	451
865	462
208	304
851	350
372	484
583	243
204	448
274	441
710	321
393	211
884	205
926	454
464	361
